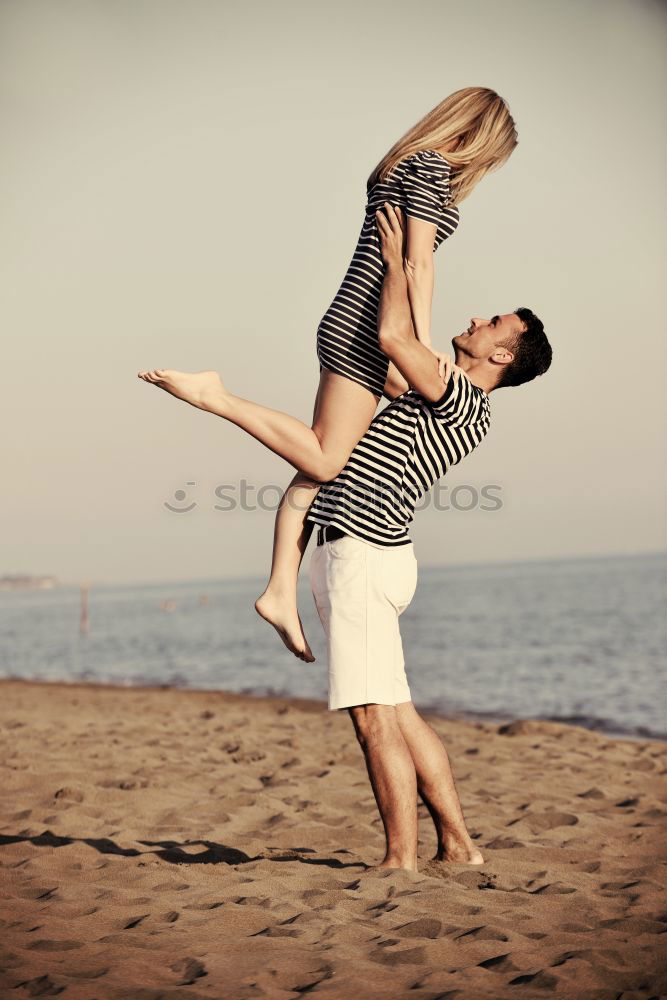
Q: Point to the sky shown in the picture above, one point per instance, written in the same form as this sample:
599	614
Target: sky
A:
183	185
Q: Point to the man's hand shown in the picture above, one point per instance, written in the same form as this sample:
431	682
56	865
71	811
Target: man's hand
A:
392	234
392	240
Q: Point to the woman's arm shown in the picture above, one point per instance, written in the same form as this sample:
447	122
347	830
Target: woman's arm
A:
395	385
420	275
412	360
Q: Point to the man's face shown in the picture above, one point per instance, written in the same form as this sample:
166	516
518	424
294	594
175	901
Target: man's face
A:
485	338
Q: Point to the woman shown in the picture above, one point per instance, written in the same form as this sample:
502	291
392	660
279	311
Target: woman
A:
427	173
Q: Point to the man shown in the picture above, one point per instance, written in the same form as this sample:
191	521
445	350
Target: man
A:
363	569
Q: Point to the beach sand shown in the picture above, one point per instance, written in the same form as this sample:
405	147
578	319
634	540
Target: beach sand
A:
163	843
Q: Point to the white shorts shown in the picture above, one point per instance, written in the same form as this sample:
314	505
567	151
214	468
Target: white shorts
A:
359	591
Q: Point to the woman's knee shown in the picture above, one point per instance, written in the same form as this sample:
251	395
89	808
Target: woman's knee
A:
326	468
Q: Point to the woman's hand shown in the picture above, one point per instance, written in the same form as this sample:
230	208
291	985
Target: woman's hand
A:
446	366
392	234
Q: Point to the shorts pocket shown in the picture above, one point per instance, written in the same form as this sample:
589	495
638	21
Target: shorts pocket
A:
339	567
399	576
346	547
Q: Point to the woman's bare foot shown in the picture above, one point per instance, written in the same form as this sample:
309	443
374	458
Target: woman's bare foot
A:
284	617
201	389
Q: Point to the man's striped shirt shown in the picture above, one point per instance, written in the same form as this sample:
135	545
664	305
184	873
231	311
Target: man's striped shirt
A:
409	445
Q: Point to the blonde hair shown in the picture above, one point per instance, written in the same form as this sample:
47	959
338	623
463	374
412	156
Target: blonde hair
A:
487	134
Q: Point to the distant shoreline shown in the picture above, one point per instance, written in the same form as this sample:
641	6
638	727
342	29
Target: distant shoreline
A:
68	583
319	705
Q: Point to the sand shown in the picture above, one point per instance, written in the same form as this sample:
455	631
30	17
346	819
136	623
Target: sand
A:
161	843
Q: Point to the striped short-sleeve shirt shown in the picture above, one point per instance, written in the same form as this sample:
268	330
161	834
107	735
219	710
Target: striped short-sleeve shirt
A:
409	445
420	184
347	336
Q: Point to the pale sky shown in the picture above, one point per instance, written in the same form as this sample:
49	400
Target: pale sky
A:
183	185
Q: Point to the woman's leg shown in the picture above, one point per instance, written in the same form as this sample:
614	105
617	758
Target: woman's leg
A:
340	406
278	603
343	412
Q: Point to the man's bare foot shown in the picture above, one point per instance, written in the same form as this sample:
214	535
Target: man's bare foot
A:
458	852
387	865
286	621
392	865
201	389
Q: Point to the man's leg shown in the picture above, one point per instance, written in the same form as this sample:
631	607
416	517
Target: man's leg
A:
393	779
435	782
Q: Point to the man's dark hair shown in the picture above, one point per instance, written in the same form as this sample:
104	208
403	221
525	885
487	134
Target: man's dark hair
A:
531	349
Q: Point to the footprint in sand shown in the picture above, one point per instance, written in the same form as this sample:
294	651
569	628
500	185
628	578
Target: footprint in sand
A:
24	814
499	963
46	945
641	765
248	757
41	986
409	956
469	879
383	907
589	867
262	901
86	912
541	822
482	933
126	784
127	925
94	973
39	892
69	794
274	932
591	793
504	842
552	889
425	927
205	906
541	979
189	970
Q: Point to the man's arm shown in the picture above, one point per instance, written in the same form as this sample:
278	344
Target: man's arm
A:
396	334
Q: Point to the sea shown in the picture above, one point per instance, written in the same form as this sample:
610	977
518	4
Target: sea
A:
572	640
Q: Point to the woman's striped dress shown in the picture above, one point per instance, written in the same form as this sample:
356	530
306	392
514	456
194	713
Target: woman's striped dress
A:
347	336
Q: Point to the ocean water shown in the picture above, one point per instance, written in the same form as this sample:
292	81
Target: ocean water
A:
577	640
